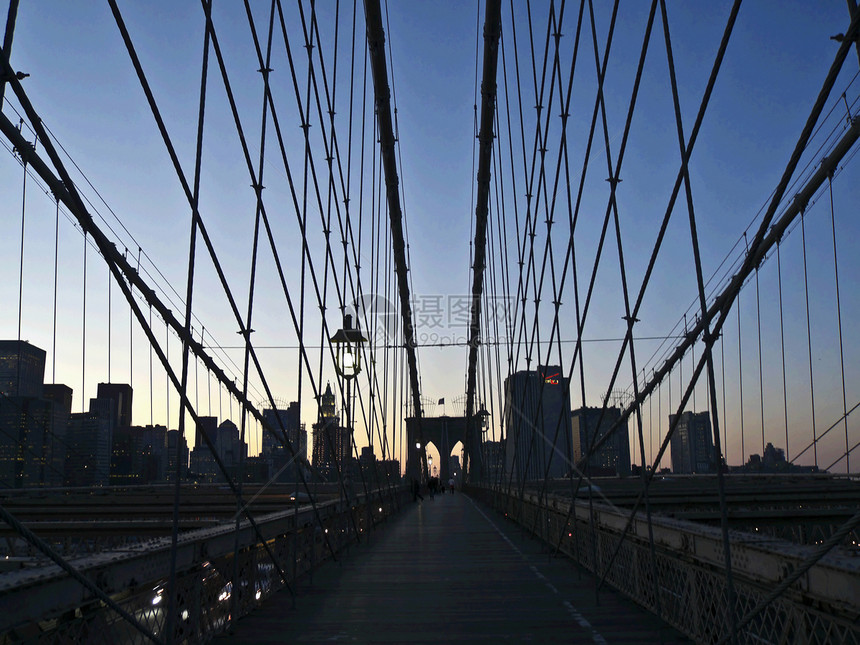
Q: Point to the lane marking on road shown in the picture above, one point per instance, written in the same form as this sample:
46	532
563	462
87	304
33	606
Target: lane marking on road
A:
581	620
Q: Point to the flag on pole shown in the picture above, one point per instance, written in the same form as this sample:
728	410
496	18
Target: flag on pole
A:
441	402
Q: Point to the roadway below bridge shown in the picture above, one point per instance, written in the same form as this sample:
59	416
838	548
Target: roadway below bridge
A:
800	508
145	511
450	570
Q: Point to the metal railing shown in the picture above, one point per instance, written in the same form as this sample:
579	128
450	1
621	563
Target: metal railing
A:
820	607
45	605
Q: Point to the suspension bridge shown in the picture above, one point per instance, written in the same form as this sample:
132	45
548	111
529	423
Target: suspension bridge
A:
441	321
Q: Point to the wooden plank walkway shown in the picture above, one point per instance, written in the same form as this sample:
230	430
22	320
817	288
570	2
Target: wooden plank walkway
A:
450	570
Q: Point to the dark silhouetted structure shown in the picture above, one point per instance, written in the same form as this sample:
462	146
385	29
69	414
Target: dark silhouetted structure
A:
613	456
692	444
537	416
332	447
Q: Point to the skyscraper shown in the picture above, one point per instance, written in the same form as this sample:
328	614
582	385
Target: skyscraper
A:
120	410
203	464
692	444
60	397
278	458
613	456
208	427
231	449
332	449
176	444
22	369
26	418
537	415
25	441
88	455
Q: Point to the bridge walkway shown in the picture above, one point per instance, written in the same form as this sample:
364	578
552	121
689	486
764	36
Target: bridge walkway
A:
450	570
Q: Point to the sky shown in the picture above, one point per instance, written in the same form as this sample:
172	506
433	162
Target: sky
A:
83	85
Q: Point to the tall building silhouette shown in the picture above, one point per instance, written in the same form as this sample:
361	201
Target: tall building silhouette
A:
22	369
228	449
26	418
89	446
120	409
610	458
692	444
177	456
332	448
60	397
203	467
279	459
537	416
92	456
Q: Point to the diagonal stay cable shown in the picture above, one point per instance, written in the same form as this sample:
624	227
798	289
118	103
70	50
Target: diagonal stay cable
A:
722	306
189	292
310	33
42	546
834	540
258	189
165	313
123	273
709	339
634	314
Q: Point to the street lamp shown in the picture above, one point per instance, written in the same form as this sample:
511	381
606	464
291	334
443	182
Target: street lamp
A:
347	357
483	419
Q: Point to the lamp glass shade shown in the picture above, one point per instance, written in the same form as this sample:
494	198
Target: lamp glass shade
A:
348	349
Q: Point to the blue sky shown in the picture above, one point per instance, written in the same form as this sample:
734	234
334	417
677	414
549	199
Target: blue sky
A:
83	85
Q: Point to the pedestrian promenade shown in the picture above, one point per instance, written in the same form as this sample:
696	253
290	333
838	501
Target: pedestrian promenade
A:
450	570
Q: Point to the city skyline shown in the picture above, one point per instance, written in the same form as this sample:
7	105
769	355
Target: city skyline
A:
691	443
759	104
274	274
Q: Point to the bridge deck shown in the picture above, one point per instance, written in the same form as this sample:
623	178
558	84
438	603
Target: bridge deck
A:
450	570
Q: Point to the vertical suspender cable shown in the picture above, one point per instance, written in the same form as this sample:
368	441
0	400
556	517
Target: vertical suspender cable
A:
723	377
166	375
110	279
56	272
809	338
130	341
741	379
659	420
151	384
782	348
839	320
21	256
84	332
760	370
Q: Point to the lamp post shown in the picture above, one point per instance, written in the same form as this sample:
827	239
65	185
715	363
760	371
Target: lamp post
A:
484	419
347	358
484	422
348	349
478	424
